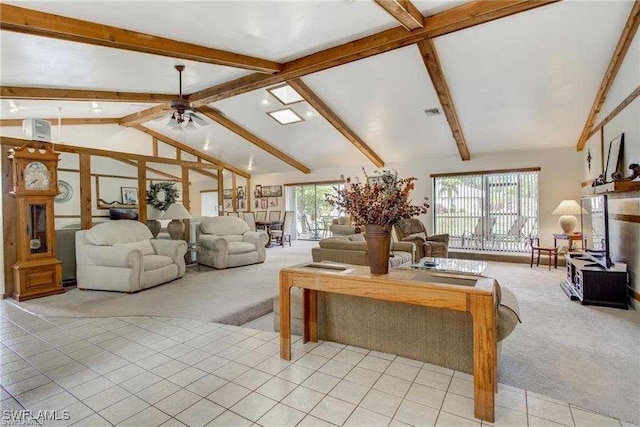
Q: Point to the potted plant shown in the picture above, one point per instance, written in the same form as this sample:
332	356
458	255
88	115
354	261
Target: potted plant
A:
377	204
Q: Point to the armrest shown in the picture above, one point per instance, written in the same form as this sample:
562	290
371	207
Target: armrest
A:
112	256
413	239
256	238
175	249
442	238
404	247
214	243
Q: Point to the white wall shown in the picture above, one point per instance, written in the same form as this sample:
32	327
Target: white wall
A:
560	178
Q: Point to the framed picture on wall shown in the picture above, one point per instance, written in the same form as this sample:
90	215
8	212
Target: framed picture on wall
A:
257	192
272	191
129	195
264	203
273	202
614	155
228	204
227	194
241	193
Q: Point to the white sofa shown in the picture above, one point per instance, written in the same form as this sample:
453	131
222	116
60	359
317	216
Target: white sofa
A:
227	241
122	256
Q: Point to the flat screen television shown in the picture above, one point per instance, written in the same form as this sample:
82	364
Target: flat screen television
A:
595	229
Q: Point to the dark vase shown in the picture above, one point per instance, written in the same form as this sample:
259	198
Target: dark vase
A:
378	245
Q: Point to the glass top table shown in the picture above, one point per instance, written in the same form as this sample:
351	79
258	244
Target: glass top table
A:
451	265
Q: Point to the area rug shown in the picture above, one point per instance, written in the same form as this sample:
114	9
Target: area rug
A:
585	355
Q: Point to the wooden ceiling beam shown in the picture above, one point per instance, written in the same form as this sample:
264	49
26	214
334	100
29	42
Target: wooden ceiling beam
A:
404	12
628	100
56	94
434	68
67	148
187	149
455	19
628	33
68	121
323	109
28	21
254	139
140	117
153	170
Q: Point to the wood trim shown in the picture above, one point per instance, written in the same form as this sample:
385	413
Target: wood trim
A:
27	21
294	184
249	194
154	146
68	170
67	122
626	218
404	12
628	33
208	191
190	150
9	221
633	294
234	192
85	192
434	68
271	89
586	183
628	100
318	104
285	109
142	191
454	19
56	94
77	216
220	193
207	174
140	117
485	172
156	171
254	139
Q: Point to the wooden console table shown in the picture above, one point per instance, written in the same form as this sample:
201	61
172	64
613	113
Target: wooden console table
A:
475	295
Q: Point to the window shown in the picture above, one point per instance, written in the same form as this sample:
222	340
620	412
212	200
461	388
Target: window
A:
491	211
313	213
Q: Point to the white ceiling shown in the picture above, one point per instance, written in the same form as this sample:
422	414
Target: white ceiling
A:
628	76
528	81
519	83
32	109
276	30
46	62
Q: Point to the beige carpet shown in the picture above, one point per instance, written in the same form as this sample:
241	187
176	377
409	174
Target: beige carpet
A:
585	355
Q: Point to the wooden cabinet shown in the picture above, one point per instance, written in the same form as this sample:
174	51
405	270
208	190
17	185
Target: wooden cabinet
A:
592	284
37	272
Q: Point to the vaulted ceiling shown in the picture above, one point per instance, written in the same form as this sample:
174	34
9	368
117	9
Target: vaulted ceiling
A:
521	82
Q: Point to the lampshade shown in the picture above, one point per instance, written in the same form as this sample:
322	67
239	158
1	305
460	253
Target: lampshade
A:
153	213
176	211
568	207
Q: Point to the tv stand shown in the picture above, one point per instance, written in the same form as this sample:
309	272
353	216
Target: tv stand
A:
592	284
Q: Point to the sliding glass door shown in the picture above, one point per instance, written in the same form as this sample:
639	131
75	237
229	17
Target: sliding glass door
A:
313	213
487	211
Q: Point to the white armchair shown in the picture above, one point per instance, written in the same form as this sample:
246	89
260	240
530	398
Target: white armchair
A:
121	256
226	241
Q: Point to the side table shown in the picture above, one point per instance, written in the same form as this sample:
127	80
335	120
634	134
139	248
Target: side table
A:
192	253
571	237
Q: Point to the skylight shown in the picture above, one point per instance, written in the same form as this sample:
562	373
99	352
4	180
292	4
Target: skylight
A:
285	94
286	116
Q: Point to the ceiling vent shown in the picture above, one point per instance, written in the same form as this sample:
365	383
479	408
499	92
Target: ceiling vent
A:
432	112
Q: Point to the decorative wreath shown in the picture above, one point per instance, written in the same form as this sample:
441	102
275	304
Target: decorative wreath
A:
162	195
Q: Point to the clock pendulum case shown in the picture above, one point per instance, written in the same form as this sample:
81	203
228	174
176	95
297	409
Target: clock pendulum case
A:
37	272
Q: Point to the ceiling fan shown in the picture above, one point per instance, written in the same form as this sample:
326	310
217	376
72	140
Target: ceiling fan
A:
183	111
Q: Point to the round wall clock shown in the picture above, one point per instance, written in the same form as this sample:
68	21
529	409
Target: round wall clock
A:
66	192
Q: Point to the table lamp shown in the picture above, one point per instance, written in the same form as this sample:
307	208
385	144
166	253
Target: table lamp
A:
176	213
153	215
568	209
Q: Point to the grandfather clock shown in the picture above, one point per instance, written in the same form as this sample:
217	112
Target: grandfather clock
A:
37	272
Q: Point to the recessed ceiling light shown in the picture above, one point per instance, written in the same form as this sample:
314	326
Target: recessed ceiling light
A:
95	107
285	117
13	107
285	94
205	148
309	113
265	101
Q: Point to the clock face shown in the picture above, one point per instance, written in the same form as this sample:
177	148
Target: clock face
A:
36	176
66	192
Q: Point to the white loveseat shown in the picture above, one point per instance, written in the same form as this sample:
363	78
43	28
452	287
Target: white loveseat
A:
227	241
122	256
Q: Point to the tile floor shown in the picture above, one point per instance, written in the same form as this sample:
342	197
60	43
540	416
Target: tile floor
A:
142	371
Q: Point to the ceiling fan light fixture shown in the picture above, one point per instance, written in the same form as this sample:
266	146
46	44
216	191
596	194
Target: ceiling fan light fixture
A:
172	122
190	124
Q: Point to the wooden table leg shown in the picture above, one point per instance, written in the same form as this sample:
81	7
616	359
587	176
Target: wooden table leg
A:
285	316
310	315
485	349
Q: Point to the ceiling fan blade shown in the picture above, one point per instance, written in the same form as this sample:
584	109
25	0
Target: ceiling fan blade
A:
199	120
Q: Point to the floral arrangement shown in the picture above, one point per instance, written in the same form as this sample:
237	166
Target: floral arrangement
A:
162	195
382	200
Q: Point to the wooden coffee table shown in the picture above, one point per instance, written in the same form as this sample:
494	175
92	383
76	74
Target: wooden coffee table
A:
473	294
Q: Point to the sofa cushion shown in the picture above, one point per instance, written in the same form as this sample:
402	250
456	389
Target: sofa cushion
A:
223	225
154	262
236	248
357	238
143	245
110	233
